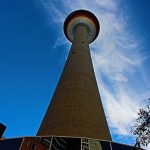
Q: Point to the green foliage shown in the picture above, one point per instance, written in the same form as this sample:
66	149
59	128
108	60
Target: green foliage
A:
141	130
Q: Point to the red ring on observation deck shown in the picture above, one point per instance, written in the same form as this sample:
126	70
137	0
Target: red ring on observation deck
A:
82	13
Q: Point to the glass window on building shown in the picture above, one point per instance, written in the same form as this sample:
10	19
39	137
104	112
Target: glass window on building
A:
33	146
118	146
105	145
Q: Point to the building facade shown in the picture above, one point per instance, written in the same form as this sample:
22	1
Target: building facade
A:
61	143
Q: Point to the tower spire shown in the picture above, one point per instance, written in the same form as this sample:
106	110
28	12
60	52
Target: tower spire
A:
76	108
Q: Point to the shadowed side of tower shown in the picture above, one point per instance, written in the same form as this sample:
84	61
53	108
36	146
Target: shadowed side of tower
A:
76	108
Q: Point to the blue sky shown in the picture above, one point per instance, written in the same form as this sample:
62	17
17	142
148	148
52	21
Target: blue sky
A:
33	51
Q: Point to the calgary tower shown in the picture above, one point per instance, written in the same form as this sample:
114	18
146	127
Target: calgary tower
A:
76	109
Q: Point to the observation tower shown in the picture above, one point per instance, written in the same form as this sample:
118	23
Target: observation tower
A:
76	109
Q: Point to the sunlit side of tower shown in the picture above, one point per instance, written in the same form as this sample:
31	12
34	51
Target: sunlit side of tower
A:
76	108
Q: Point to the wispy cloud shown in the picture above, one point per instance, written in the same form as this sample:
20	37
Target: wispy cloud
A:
116	57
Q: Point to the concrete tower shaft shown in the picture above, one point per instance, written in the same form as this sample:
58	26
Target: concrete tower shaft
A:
76	108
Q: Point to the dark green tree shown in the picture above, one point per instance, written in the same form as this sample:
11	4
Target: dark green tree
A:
141	129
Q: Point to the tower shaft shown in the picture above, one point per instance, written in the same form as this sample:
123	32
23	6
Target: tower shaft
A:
76	108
